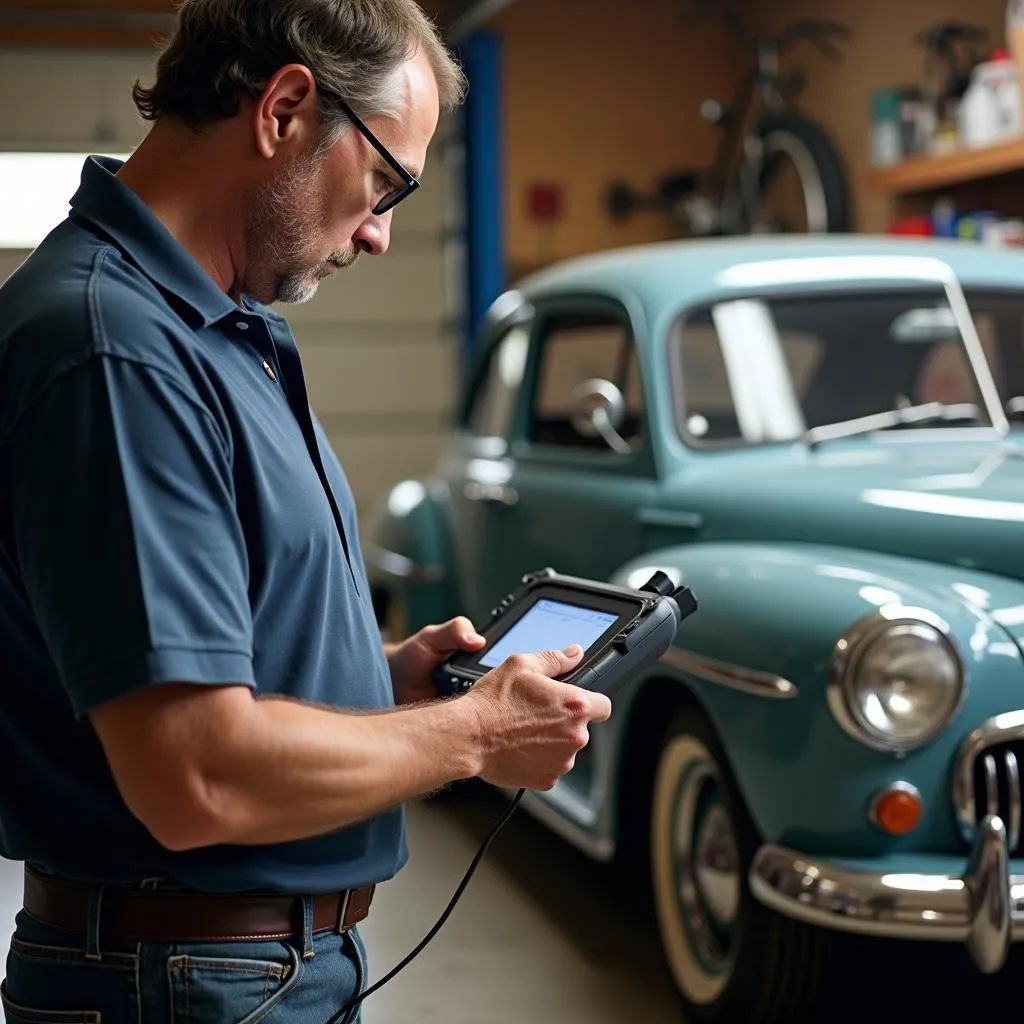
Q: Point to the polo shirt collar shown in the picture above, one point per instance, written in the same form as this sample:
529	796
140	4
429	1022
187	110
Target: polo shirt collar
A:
111	206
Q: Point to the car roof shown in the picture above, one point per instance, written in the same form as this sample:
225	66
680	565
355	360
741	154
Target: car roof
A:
671	274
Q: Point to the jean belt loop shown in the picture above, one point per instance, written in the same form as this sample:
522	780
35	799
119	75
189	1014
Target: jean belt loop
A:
92	926
307	927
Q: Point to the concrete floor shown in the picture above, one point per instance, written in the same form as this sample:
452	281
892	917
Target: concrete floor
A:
536	936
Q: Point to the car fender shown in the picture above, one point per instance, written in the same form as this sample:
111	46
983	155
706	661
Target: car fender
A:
756	657
409	553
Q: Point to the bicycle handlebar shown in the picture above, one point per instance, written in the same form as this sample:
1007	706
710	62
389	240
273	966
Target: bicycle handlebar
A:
821	33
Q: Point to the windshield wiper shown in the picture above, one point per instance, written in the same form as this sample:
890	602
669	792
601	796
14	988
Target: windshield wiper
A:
910	416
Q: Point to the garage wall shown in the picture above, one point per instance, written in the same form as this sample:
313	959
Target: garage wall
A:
592	95
379	341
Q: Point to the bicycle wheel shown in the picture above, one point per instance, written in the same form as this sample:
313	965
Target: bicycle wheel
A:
802	186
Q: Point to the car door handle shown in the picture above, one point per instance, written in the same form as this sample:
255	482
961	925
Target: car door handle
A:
496	494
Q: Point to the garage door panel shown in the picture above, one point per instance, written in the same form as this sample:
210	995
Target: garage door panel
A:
393	288
378	380
76	99
372	333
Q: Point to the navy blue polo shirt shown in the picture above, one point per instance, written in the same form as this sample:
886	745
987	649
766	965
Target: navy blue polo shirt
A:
170	512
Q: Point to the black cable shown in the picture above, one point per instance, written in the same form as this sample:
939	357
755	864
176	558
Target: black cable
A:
344	1014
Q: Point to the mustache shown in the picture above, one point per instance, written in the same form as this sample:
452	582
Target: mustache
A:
344	257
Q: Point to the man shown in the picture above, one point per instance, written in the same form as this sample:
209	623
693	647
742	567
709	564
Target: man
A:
203	762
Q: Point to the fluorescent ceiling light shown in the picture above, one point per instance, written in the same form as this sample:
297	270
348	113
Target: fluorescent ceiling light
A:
34	192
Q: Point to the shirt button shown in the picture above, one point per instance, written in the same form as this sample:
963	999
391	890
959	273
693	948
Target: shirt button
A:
242	325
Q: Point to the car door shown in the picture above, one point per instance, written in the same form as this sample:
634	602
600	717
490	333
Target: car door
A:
480	466
567	497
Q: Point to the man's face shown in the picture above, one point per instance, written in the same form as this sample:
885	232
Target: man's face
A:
314	216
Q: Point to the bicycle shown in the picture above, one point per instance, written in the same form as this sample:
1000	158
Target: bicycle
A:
767	150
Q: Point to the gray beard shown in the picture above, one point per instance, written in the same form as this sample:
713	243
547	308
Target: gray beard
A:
282	232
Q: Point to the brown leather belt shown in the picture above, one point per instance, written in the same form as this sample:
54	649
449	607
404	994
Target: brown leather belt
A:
154	915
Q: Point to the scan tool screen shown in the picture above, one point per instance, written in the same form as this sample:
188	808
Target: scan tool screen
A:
550	625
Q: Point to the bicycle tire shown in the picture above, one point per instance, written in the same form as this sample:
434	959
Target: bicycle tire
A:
802	139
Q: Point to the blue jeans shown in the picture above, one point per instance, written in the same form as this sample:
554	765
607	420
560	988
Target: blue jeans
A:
60	977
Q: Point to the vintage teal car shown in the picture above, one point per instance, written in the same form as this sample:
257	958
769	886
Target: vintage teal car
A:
820	437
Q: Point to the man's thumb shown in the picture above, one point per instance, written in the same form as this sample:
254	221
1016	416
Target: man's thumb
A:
555	663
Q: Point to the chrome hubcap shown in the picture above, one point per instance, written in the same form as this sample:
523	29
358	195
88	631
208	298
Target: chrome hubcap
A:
707	867
715	866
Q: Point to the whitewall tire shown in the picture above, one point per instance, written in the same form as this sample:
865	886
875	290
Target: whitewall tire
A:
731	959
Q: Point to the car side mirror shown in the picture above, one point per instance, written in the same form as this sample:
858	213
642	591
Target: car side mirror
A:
599	410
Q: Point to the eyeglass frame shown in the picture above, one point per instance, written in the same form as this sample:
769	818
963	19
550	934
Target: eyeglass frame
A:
411	183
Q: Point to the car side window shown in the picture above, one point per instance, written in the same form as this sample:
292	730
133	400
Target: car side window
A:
707	399
576	349
497	388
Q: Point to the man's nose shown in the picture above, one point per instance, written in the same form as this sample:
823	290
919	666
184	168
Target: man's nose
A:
374	234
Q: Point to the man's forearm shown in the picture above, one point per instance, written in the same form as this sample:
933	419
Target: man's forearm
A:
300	771
204	766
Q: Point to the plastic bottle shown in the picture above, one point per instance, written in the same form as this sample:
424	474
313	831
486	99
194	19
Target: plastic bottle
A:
990	111
978	113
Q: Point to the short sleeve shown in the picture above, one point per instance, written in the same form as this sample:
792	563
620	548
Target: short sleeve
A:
125	533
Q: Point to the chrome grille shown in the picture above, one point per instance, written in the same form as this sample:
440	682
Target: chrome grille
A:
987	781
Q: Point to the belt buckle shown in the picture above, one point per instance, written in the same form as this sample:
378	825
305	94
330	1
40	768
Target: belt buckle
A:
343	911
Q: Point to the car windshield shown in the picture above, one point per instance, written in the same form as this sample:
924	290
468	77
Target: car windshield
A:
772	369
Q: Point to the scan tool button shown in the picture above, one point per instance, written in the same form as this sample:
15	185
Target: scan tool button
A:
628	639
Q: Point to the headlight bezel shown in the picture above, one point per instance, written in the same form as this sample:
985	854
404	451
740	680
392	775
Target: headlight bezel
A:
851	648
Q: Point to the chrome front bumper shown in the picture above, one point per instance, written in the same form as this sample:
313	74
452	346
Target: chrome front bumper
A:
983	907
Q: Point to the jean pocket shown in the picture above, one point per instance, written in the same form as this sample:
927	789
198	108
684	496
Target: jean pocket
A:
229	989
14	1013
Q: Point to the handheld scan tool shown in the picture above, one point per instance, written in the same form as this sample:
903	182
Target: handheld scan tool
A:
621	630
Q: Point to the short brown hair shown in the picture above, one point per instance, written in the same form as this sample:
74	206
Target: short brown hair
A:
223	50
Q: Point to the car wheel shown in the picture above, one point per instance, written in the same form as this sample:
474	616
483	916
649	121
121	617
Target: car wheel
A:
731	958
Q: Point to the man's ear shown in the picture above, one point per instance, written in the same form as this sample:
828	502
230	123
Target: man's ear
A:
286	115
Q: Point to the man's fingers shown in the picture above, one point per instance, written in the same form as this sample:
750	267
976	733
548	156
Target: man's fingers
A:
468	636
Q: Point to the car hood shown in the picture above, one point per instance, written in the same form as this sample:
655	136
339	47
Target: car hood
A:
956	503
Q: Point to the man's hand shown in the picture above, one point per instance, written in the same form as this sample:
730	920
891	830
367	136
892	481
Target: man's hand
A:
531	725
413	661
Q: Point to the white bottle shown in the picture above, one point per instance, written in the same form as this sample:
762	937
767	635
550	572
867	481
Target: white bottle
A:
978	118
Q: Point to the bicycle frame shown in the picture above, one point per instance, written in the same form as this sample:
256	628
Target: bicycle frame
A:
735	170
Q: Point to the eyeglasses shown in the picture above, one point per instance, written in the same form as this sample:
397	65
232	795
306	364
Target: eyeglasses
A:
393	198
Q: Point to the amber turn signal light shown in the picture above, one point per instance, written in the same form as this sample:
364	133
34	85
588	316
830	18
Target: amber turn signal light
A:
897	809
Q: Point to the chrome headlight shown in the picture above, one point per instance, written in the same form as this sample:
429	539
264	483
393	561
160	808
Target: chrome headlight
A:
896	680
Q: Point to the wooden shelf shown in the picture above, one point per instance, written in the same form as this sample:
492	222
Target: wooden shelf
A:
928	173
